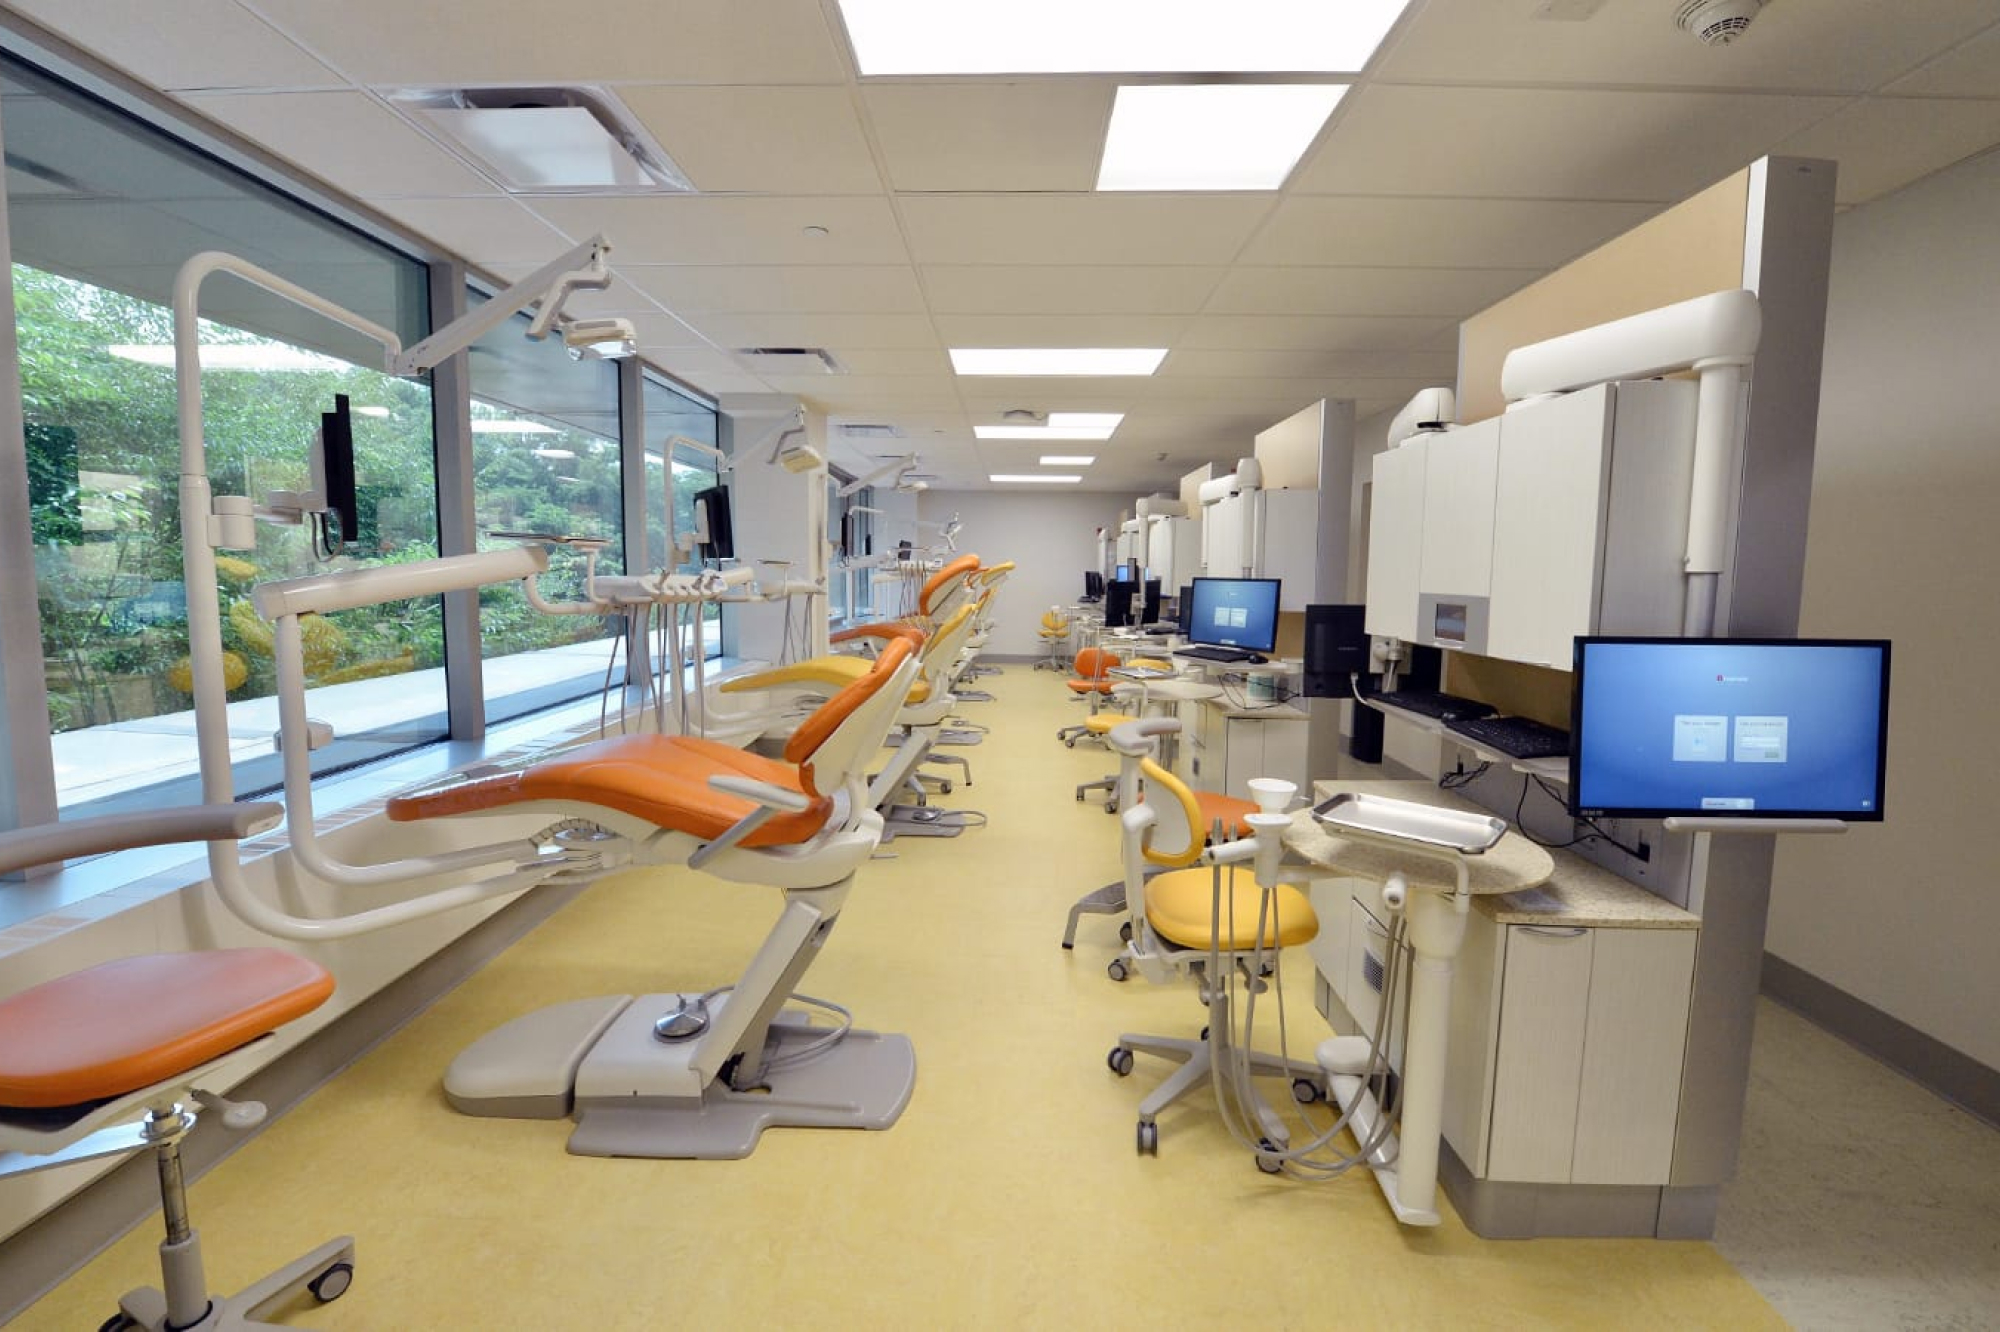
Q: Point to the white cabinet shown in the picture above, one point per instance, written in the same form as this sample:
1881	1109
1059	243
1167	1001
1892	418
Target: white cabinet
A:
1222	752
1587	1066
1459	472
1396	540
1590	518
1290	548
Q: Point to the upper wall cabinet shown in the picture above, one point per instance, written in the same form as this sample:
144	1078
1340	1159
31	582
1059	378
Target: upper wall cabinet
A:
1511	536
1590	519
1396	539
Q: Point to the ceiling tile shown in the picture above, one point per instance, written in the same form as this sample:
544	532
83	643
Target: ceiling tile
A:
1885	143
873	393
486	232
1080	228
894	360
1306	332
990	137
693	363
1444	292
1971	70
835	332
663	330
1020	289
696	229
968	330
1453	233
346	138
762	140
798	288
208	43
1819	46
620	298
1660	146
434	42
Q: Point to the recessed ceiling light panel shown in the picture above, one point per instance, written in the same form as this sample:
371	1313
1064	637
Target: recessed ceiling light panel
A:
1239	136
1057	360
1117	36
1068	459
1031	479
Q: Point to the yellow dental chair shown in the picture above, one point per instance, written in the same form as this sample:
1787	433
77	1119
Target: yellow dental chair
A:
1181	923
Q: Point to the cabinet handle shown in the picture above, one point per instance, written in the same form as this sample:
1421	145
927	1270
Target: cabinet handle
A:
1556	931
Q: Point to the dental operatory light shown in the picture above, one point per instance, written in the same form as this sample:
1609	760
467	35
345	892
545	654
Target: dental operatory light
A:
1235	136
1060	425
548	288
600	339
1057	360
1116	36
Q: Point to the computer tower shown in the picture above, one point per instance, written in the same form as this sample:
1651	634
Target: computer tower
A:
1336	649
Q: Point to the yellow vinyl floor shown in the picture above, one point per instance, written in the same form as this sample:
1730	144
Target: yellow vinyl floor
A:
1008	1196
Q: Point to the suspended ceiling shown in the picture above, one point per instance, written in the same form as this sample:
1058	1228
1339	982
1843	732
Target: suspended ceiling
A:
1487	143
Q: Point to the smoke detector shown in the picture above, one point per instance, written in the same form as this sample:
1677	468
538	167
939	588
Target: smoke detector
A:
1717	22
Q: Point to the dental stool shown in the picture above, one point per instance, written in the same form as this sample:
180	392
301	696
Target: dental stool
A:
1090	680
1178	924
141	1038
1054	632
1214	816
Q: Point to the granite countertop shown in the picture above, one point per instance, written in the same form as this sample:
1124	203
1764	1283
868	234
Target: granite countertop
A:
1515	883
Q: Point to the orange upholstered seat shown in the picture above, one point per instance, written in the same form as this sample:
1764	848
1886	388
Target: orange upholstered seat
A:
663	779
1214	805
125	1025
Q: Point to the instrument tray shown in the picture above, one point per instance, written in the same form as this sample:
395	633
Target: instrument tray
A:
1408	821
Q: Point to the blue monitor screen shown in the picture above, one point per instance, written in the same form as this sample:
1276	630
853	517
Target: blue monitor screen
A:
1235	612
1122	574
1750	728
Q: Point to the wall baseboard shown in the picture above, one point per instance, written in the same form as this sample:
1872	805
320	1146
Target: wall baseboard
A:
51	1248
1925	1060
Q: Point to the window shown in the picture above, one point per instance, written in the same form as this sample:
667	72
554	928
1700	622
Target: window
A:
102	213
546	459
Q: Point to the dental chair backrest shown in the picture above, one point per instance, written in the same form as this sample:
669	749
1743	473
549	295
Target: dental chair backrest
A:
1175	837
835	745
941	649
943	590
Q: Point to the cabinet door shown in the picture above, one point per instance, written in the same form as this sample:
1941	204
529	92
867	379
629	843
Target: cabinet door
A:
1367	975
1630	1084
1289	535
1460	470
1396	540
1545	994
1548	527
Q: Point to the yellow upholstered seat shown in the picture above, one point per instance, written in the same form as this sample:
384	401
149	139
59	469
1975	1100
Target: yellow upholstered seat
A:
1100	723
1181	906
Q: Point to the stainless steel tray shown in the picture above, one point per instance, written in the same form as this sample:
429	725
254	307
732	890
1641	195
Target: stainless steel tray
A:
1408	821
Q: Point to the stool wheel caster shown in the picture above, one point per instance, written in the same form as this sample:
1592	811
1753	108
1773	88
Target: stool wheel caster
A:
1125	931
331	1284
1117	970
1119	1061
1305	1091
1149	1138
1267	1161
118	1322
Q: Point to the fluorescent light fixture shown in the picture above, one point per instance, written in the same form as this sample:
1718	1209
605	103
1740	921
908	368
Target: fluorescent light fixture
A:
1068	459
1032	478
1057	360
1212	136
1117	36
480	427
555	453
1060	425
264	356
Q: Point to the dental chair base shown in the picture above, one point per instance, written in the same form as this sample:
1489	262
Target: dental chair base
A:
602	1061
927	821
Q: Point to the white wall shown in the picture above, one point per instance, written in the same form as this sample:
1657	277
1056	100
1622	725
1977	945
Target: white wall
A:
1906	492
1052	539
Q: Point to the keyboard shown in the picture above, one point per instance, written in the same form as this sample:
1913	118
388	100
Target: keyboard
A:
1218	654
1432	703
1514	736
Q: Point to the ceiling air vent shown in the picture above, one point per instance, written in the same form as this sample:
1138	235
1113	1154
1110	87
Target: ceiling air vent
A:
870	430
574	140
789	360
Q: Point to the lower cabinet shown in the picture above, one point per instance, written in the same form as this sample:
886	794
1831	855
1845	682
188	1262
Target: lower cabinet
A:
1566	1042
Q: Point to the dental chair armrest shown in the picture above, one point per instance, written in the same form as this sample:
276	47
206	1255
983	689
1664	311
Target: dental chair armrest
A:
69	839
771	801
1137	737
884	629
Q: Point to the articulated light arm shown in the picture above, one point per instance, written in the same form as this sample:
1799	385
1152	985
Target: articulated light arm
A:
547	287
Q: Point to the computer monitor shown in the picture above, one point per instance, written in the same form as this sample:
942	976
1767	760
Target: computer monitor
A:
712	524
1118	605
1235	612
1122	574
335	462
1093	585
1149	612
1729	728
1184	609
